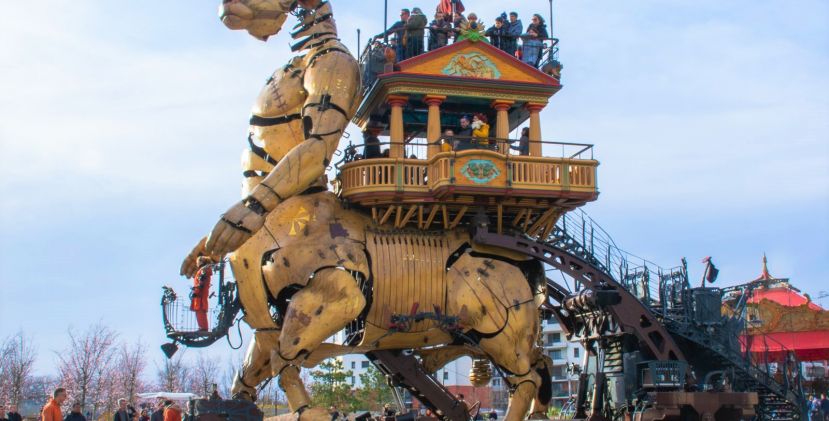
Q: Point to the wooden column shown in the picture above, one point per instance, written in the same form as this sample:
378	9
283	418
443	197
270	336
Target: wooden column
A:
535	127
502	122
433	124
396	132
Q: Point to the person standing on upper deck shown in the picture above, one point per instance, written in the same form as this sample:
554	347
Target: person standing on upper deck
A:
397	29
498	34
371	145
458	21
415	30
523	147
533	41
439	31
464	140
514	30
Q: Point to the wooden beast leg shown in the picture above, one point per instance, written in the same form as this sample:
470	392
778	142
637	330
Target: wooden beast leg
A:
256	367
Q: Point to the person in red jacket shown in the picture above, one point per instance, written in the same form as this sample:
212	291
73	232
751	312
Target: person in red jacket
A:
201	292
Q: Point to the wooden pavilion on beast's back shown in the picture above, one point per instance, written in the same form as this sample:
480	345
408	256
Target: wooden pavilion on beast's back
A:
416	184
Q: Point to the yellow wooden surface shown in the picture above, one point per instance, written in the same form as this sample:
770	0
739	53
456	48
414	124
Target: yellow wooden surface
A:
447	168
509	69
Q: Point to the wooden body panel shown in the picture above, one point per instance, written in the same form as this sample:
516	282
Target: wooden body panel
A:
409	275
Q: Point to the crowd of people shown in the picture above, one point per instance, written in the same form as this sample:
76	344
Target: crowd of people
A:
407	36
474	133
164	410
818	408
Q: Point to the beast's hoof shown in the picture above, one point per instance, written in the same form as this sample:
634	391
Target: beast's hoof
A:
315	414
538	416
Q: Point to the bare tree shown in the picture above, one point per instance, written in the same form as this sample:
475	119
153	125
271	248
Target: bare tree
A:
229	375
86	367
173	375
131	364
205	373
17	359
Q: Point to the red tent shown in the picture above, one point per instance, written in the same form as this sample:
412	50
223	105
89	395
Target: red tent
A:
785	321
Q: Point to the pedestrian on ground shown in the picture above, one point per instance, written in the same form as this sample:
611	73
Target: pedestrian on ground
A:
122	414
51	411
158	413
13	415
3	412
172	412
75	413
824	406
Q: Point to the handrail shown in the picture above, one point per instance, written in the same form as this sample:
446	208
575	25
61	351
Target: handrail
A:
350	152
548	54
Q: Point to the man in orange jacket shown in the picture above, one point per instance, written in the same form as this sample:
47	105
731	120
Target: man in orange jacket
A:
51	412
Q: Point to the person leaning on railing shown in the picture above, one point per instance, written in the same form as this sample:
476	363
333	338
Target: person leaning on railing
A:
415	26
372	145
533	45
498	34
480	130
446	142
523	147
458	21
397	29
464	141
514	30
439	31
373	63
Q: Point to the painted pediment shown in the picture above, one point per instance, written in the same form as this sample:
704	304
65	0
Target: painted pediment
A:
479	60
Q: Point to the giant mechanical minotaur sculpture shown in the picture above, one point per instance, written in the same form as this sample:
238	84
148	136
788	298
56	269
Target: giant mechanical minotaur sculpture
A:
317	268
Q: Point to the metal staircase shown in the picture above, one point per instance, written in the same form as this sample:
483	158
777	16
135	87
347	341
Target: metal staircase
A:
667	293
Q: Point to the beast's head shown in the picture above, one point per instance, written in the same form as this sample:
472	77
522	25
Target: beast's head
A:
261	18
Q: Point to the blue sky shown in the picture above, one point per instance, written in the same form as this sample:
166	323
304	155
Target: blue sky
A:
122	125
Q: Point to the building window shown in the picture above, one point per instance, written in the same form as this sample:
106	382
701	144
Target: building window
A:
353	365
575	352
445	375
364	364
553	338
496	382
555	354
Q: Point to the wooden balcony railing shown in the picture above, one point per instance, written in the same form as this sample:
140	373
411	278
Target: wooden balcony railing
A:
495	174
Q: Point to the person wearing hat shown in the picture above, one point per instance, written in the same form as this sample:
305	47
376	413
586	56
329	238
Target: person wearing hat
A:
415	30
